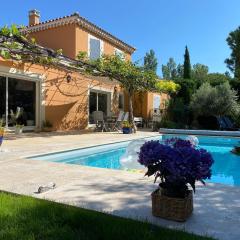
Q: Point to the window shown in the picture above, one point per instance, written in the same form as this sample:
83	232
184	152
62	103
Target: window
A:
94	48
119	53
2	97
98	101
121	101
156	102
16	93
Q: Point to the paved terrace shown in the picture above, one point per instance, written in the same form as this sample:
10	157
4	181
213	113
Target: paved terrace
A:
216	207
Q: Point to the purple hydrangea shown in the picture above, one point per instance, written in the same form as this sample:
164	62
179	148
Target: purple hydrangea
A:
176	162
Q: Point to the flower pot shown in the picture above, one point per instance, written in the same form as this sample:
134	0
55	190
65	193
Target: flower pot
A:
126	130
176	209
1	136
18	130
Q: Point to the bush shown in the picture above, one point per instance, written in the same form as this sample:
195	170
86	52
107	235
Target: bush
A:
214	101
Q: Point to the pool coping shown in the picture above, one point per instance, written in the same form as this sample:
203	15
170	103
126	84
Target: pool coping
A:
81	148
200	132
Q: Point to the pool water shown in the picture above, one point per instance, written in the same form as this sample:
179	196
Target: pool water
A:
226	168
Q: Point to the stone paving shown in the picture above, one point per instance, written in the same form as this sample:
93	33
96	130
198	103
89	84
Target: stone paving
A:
121	193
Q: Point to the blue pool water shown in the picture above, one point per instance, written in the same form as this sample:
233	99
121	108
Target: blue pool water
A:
226	168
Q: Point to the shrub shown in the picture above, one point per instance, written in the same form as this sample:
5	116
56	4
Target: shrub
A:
214	101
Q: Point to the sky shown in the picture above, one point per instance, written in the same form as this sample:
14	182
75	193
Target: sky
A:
166	26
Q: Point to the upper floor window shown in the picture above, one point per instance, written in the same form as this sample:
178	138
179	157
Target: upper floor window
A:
95	48
119	53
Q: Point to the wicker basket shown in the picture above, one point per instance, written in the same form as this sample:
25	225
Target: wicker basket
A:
177	209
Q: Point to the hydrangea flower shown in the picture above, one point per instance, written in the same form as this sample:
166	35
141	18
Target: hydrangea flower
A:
177	163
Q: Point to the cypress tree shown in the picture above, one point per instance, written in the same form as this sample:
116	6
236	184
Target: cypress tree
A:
187	65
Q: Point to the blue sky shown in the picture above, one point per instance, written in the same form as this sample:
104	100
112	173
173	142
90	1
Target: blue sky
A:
163	25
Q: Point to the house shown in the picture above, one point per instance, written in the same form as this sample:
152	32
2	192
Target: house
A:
67	99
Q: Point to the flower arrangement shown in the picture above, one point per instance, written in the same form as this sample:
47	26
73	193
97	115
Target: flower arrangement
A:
177	163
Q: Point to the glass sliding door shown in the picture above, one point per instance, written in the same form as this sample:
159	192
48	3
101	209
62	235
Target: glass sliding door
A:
16	93
22	93
102	102
98	101
3	98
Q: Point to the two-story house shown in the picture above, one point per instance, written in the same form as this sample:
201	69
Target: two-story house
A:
66	99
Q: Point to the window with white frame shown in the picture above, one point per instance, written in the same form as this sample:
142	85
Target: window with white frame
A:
156	102
95	48
119	53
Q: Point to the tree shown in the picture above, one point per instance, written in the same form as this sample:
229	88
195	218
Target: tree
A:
215	79
199	73
169	71
233	62
150	61
179	71
187	88
132	77
187	65
214	101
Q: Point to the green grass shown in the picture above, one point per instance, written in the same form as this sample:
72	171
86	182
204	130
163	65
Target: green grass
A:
29	218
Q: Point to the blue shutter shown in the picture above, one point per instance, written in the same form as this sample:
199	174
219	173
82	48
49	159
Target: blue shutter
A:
95	49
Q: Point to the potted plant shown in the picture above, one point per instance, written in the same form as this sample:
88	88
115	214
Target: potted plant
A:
127	127
47	126
178	164
15	117
1	132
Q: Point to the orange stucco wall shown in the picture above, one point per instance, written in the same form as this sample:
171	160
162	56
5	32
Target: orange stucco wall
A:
143	103
58	38
65	104
71	38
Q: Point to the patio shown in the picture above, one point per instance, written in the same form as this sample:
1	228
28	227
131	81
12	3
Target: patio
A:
122	193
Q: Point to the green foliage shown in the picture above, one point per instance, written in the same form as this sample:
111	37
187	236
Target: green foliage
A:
169	70
127	124
150	61
82	56
187	88
233	62
214	101
132	77
215	79
178	113
187	65
10	31
199	73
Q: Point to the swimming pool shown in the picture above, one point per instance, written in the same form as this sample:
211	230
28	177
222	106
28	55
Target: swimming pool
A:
226	168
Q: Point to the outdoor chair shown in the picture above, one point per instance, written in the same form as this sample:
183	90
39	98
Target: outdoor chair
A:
117	125
230	125
138	121
99	121
126	116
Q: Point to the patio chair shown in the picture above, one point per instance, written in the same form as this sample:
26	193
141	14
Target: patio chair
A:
117	126
138	121
126	116
99	121
221	123
230	125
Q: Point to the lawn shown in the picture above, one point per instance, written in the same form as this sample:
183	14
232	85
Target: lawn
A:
29	218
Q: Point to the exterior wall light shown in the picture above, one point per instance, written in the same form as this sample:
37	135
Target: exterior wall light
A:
69	78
